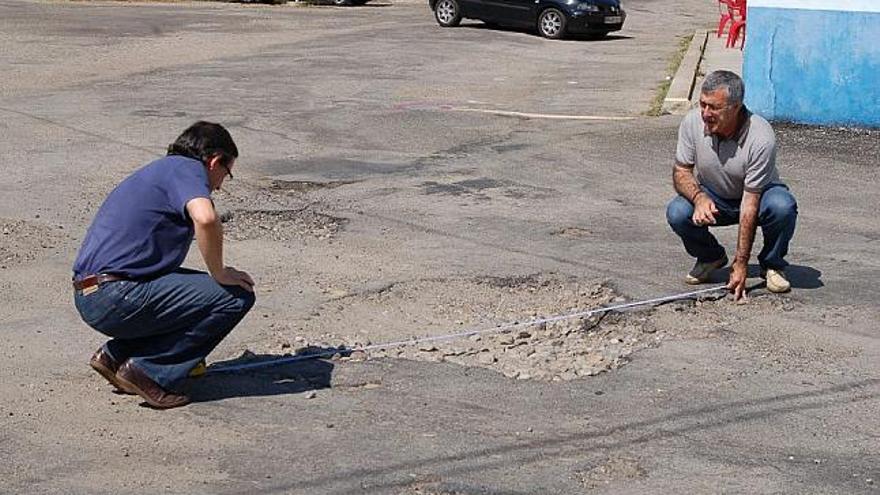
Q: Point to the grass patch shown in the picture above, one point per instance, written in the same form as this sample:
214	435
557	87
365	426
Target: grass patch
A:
657	104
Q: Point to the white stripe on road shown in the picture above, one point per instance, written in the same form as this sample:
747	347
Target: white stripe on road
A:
526	115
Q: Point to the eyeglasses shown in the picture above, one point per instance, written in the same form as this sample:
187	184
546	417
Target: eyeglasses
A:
228	171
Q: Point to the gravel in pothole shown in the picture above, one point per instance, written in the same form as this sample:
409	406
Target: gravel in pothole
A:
612	469
275	210
561	350
279	225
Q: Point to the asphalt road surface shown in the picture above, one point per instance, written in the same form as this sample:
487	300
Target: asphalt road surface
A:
398	179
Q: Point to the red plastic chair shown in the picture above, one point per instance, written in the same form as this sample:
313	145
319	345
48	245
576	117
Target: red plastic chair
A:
730	12
723	16
738	28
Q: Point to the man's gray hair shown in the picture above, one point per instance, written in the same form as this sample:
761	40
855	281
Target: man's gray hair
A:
725	79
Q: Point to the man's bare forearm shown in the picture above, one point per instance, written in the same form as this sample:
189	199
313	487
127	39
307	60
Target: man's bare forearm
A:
748	224
209	233
210	239
685	183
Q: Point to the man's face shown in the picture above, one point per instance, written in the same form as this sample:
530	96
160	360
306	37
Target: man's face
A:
719	117
217	172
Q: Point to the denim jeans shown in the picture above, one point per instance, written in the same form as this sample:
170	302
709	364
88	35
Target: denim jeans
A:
777	216
165	325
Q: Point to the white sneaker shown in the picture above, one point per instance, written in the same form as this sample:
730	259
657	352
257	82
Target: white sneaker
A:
776	281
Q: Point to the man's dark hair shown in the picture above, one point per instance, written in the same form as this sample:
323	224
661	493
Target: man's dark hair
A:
203	140
725	79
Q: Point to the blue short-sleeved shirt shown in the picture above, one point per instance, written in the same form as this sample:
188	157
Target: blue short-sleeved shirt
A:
143	230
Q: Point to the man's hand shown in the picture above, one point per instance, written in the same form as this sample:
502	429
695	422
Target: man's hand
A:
231	276
737	284
686	185
704	210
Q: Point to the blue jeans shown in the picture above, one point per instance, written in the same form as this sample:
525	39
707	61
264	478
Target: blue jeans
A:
777	216
165	325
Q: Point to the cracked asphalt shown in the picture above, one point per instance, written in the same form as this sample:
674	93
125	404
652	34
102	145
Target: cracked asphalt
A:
380	185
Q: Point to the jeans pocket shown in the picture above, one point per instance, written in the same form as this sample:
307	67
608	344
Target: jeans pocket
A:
134	297
93	308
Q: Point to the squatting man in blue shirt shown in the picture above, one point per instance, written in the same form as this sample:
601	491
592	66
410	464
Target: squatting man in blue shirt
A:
163	320
725	173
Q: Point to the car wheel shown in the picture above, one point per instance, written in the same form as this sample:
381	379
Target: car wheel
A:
341	3
447	13
551	24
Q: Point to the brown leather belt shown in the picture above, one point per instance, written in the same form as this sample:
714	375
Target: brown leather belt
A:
93	280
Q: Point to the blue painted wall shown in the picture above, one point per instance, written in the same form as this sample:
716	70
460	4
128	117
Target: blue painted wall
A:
813	66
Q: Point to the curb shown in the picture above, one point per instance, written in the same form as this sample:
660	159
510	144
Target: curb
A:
678	98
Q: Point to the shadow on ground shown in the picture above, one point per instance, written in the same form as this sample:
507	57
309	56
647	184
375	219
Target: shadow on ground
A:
532	32
804	277
800	276
266	375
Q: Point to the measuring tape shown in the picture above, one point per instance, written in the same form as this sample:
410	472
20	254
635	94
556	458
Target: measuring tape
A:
460	335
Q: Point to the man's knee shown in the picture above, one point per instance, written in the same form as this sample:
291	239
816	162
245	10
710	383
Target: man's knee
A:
247	300
779	204
240	301
679	212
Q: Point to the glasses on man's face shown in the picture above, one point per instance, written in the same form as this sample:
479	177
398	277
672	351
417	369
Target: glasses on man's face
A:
716	107
228	171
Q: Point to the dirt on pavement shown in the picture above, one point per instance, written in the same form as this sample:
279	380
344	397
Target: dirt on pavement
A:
371	208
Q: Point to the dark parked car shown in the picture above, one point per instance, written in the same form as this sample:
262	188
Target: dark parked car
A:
552	18
340	3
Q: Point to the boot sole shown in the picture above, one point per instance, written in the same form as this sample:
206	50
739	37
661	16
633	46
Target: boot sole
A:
149	400
110	376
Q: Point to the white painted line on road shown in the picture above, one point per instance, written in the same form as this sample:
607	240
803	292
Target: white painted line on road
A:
452	107
526	115
467	333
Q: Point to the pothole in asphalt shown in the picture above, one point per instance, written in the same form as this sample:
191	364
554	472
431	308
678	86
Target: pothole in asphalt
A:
280	225
23	242
406	313
303	186
614	468
549	351
270	197
573	233
149	112
469	186
485	188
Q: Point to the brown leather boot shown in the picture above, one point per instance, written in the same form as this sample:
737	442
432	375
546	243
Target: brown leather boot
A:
153	393
106	366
